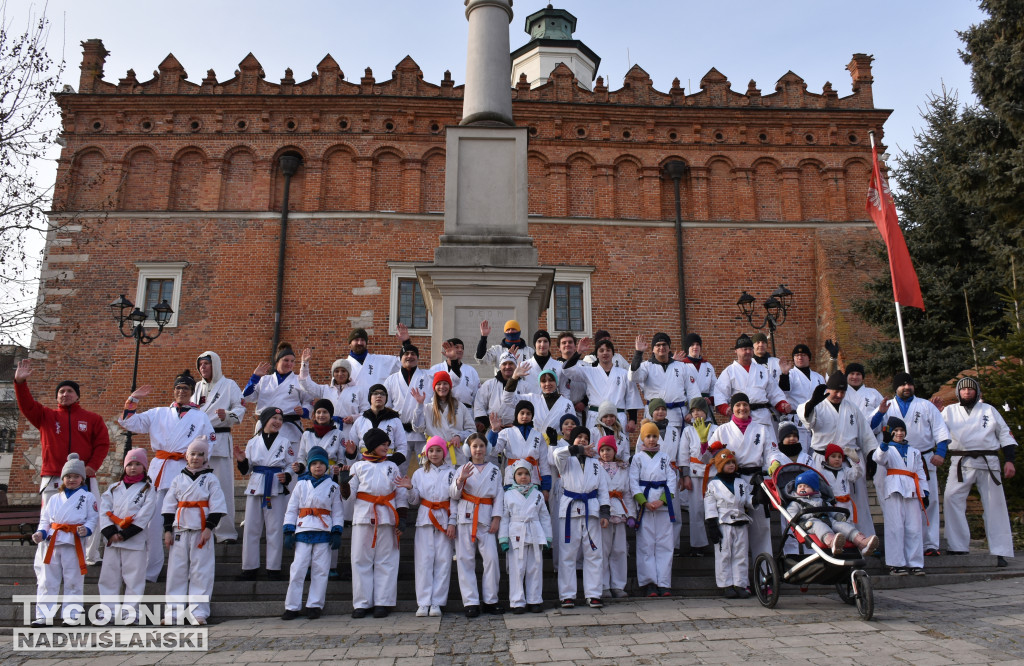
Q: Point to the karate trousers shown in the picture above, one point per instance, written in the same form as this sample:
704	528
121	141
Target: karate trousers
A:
993	503
224	469
256	518
308	555
123	566
592	557
374	568
904	546
613	569
64	565
465	555
731	557
698	535
155	540
654	547
525	575
190	570
433	556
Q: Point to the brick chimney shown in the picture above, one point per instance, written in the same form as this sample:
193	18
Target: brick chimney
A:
860	72
94	56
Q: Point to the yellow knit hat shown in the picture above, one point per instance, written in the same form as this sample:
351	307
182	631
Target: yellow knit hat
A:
513	324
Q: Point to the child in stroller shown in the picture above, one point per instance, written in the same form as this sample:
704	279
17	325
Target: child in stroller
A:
834	529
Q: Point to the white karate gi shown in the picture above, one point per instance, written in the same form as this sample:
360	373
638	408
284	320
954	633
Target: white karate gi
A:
68	552
349	400
675	383
613	386
324	500
705	378
374	369
841	481
730	508
698	466
613	537
391	424
374	543
800	389
285	393
491	398
756	382
544	417
221	393
400	400
483	483
656	538
512	446
599	430
901	506
433	548
169	435
527	526
670	443
265	503
925	430
463	428
191	568
531	381
125	561
982	429
584	492
464	388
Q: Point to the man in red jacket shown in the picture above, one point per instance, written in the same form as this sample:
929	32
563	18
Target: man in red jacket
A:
67	429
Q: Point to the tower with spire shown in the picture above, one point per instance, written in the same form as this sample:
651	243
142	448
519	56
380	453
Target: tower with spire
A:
551	42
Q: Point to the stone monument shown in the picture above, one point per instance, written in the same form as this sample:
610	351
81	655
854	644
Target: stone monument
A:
485	266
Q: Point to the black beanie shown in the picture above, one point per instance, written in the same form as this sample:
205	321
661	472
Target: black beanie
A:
185	378
521	405
74	387
738	397
376	387
541	334
690	340
325	404
836	382
801	349
576	432
854	367
894	423
408	347
268	414
786	429
661	337
601	335
900	379
744	341
374	437
358	333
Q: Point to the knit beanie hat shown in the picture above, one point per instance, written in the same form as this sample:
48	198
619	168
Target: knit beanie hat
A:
966	382
68	382
510	472
268	414
441	376
507	357
436	441
607	440
786	429
568	417
358	333
655	403
836	382
649	428
833	448
548	371
341	363
606	408
324	403
738	397
409	348
541	334
521	405
902	378
895	422
809	478
722	457
377	387
743	341
317	453
375	437
661	337
698	403
136	455
74	465
576	432
801	349
690	340
854	367
199	446
759	337
512	324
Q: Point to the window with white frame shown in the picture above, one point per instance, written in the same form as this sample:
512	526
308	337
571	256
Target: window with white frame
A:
159	281
407	305
570	307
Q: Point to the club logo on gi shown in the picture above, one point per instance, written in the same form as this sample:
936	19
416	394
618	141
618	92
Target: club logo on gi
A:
83	426
80	501
917	417
851	419
984	421
191	429
370	368
290	389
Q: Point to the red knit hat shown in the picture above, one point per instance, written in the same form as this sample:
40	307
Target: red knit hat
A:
607	440
441	376
833	448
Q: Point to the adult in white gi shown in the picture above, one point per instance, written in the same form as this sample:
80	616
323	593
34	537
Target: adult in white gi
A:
576	392
702	371
664	377
726	506
349	398
604	382
430	487
65	520
832	419
512	343
763	357
268	456
313	523
653	481
221	400
583	512
927	432
904	499
623	515
863	397
480	505
280	389
125	510
549	405
540	361
445	417
369	369
798	381
524	532
491	399
407	388
753	380
978	433
191	508
465	379
377	523
171	430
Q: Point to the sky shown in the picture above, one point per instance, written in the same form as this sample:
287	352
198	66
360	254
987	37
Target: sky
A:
914	43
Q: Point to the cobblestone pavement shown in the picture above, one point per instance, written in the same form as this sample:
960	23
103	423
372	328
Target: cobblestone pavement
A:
953	624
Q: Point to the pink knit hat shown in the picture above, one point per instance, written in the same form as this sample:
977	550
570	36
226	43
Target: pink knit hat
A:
137	455
436	441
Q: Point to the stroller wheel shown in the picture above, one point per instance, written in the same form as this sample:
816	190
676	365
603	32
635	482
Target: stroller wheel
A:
766	580
845	591
864	597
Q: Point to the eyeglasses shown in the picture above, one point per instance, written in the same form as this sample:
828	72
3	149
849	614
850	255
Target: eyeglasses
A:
378	393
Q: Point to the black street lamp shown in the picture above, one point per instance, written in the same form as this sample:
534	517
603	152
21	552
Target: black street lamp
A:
124	312
776	307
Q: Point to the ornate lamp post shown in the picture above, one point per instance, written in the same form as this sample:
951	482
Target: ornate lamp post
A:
776	307
125	312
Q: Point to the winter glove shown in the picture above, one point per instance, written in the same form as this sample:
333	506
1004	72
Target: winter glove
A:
832	348
631	523
289	540
343	477
503	544
926	500
703	428
335	540
774	466
817	397
886	437
852	453
713	530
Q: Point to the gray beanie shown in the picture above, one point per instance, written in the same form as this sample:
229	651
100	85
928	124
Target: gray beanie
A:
74	465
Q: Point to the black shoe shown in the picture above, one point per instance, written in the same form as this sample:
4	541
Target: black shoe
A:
1001	561
472	611
957	552
313	613
596	603
358	613
730	593
289	614
535	608
381	611
274	574
518	610
932	552
492	609
248	574
229	541
741	592
677	553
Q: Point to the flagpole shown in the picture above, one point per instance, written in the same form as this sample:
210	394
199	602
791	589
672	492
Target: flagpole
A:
899	314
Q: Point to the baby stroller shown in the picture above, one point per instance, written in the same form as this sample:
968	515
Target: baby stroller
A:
814	563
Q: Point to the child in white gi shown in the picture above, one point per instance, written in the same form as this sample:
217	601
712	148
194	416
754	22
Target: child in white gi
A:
445	417
903	503
584	509
608	424
378	520
696	435
313	524
327	434
652	480
267	455
435	527
834	529
125	510
673	446
623	515
524	532
522	442
477	487
193	506
66	519
566	424
725	519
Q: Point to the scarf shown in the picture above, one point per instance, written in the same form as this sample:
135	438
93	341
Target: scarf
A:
524	490
742	425
374	458
129	480
728	480
322	429
361	356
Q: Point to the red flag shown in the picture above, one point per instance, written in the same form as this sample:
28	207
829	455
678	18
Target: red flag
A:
882	209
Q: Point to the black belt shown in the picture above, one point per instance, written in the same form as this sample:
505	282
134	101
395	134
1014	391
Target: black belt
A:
595	409
973	454
222	429
927	475
750	469
292	418
759	405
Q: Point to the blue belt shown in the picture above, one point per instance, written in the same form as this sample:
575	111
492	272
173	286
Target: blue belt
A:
676	405
668	493
268	480
579	497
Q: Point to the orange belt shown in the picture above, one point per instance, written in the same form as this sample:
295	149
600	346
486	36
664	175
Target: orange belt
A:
316	511
445	505
846	498
202	504
72	529
530	459
165	455
120	522
477	501
617	494
917	486
379	500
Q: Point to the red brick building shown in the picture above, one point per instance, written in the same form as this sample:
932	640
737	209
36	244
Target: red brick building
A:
171	186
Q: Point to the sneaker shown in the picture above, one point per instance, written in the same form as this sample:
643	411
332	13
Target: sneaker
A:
568	603
838	541
435	611
596	603
916	571
664	591
619	594
1001	561
742	593
289	614
313	613
381	611
730	593
870	546
358	613
472	611
518	610
422	611
334	575
898	571
932	552
274	574
651	590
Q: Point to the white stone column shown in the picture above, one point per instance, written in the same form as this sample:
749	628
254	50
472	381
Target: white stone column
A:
488	97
